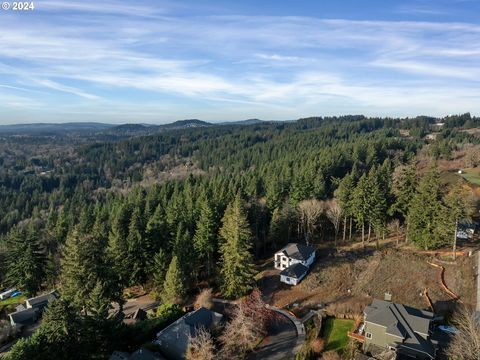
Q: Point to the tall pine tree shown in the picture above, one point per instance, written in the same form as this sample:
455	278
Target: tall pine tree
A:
237	268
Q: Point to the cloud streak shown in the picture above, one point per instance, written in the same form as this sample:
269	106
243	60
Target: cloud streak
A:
222	67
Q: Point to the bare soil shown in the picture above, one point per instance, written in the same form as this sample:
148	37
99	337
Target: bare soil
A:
359	275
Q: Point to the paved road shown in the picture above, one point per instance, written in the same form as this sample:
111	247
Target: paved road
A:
278	345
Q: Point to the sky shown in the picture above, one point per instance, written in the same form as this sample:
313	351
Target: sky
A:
160	61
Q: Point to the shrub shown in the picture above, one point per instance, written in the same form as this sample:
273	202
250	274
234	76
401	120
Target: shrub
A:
318	345
331	355
204	299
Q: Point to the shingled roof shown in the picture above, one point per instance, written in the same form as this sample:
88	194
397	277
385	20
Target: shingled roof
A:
409	324
296	271
297	251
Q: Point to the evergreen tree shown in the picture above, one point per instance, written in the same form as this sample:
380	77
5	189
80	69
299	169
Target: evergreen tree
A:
85	266
344	194
26	260
460	208
137	252
117	243
174	285
405	188
237	268
361	203
427	214
204	240
159	269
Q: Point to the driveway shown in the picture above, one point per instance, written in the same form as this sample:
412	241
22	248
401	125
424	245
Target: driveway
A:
278	345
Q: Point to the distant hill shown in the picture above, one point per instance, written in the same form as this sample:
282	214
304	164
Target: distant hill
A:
47	128
243	122
189	123
113	131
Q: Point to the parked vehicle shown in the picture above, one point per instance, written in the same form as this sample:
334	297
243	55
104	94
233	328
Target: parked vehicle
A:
448	329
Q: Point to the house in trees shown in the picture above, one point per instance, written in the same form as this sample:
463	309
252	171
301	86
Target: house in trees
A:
29	313
294	260
174	339
140	354
402	329
40	302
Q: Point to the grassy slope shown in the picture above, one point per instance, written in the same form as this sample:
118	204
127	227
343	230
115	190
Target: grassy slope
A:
472	176
12	302
335	333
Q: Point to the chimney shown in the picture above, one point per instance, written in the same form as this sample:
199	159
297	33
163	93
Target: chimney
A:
388	296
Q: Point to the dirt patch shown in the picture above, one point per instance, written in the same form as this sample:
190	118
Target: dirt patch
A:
359	275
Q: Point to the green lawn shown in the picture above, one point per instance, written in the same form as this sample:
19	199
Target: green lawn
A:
335	333
472	176
12	302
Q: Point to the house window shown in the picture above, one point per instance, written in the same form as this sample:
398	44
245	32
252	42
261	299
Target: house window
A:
368	335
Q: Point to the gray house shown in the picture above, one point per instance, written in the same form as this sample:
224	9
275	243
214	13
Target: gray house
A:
400	328
174	339
140	354
40	302
29	313
24	317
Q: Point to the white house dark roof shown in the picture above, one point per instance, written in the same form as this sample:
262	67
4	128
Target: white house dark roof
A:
409	324
296	271
297	251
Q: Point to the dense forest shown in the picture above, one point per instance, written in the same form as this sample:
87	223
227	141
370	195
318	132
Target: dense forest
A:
184	209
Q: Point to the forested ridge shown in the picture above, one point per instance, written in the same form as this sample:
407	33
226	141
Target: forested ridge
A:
92	218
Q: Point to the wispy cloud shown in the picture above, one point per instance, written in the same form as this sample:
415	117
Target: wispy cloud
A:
228	66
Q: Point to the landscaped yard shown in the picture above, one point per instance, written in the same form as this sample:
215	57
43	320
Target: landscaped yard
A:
12	302
472	175
335	333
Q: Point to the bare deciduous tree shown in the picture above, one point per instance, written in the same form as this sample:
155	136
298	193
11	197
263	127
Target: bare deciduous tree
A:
240	334
310	212
394	227
204	299
334	214
466	343
249	323
331	355
201	346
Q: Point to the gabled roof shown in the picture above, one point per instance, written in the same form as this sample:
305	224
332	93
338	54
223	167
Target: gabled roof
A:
296	271
409	324
24	316
298	251
42	299
174	339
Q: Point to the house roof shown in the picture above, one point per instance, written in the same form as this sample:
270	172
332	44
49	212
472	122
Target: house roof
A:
295	271
145	354
404	322
140	314
42	299
173	340
24	316
298	251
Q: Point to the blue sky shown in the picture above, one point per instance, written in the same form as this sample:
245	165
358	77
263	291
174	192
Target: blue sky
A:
160	61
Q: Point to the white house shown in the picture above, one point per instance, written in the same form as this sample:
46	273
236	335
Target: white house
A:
294	260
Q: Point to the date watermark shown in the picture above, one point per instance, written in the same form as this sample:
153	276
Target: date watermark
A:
17	6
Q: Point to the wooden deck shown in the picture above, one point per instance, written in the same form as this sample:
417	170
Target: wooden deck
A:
356	336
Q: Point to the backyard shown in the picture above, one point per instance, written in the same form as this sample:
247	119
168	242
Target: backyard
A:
472	175
8	305
335	333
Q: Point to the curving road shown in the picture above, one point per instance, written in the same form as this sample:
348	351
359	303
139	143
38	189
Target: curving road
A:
279	343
